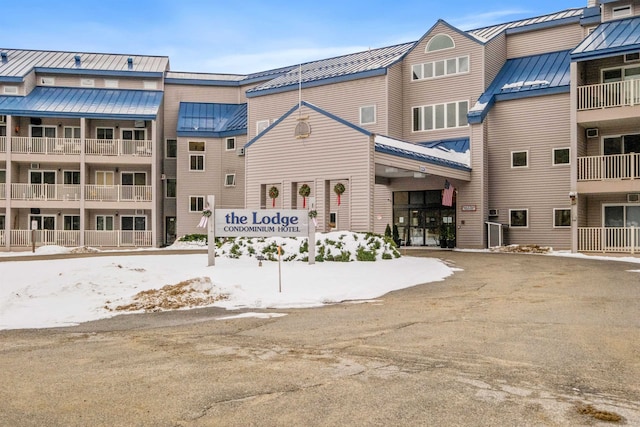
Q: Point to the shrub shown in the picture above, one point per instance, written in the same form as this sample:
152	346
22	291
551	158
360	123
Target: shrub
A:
364	255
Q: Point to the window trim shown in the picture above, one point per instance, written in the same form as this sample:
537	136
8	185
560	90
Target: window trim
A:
445	73
554	218
375	114
553	156
527	159
166	188
435	37
166	148
226	183
622	69
10	90
196	198
73	129
260	123
113	133
204	147
434	108
526	210
113	222
227	140
73	172
64	222
191	156
617	9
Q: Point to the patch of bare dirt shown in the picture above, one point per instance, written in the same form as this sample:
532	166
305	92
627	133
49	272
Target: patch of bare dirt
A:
592	412
186	294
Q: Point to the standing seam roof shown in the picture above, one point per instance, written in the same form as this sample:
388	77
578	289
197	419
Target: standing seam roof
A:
613	37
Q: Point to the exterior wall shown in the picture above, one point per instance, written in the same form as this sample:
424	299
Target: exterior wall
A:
342	99
382	208
332	153
543	41
75	80
594	214
495	56
440	90
396	111
607	9
536	125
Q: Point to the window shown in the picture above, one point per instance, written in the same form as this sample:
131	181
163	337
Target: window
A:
150	84
518	217
620	74
368	115
446	67
71	222
196	162
172	148
171	188
104	178
43	131
620	11
196	145
71	177
231	144
133	223
87	82
621	144
440	116
104	223
104	133
2	222
110	83
562	217
133	178
230	180
47	81
196	203
561	156
622	215
440	42
72	132
519	159
3	131
134	134
261	125
11	90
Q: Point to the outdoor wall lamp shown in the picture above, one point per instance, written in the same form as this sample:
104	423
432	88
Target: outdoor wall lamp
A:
573	196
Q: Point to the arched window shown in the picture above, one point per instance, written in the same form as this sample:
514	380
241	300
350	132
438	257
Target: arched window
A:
440	42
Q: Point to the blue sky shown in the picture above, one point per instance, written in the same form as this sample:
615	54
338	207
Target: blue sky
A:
245	36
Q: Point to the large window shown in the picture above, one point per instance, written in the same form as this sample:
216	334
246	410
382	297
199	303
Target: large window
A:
621	144
104	223
518	217
71	177
43	131
134	134
440	42
445	67
562	218
196	161
440	116
104	133
72	132
196	203
172	149
171	188
104	177
71	222
622	216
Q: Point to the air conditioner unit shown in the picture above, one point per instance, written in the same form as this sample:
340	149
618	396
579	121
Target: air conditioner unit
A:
633	197
493	212
34	166
139	212
3	119
632	57
241	151
592	133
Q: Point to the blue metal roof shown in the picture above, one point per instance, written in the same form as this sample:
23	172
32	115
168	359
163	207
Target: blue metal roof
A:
407	151
84	102
459	145
528	76
609	39
211	120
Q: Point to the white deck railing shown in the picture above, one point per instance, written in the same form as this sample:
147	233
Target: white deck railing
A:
99	147
64	192
118	238
609	239
117	193
45	192
3	191
605	95
617	166
28	145
2	238
3	144
118	147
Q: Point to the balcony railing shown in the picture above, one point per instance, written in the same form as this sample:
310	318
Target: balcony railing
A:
617	166
609	239
2	238
3	191
95	147
3	144
45	192
118	193
63	192
606	95
117	238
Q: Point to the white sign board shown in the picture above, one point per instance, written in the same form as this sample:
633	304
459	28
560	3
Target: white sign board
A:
261	222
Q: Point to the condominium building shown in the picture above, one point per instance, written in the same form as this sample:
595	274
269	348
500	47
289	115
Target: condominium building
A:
527	130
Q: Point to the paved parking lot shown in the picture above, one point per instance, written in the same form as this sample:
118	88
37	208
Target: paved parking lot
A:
511	339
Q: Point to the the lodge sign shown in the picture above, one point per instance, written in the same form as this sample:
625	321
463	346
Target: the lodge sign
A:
261	222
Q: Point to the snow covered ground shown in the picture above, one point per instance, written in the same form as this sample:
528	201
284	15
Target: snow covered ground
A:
63	292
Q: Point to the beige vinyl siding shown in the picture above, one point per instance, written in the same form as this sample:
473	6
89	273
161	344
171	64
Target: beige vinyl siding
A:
495	54
382	208
593	206
74	80
608	8
535	125
460	87
396	112
30	82
334	152
543	41
594	68
594	145
341	99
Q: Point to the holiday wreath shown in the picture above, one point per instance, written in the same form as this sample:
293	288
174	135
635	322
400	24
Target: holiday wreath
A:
338	189
273	194
304	191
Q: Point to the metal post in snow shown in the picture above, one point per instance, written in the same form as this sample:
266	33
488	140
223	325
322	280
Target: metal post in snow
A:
211	235
311	244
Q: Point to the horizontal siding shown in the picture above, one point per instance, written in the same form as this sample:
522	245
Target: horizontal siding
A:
540	187
543	41
396	112
382	208
593	206
607	8
495	55
74	80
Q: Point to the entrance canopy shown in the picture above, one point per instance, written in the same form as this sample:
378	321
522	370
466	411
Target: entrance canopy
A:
448	158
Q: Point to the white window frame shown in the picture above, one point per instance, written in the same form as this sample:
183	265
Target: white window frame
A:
113	133
230	142
362	114
73	173
104	221
433	108
197	200
64	222
261	125
230	180
192	156
135	132
105	174
10	90
554	218
519	167
526	210
622	11
166	190
204	147
73	129
166	148
553	156
435	37
418	70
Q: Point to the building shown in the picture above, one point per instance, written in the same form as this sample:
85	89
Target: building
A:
532	126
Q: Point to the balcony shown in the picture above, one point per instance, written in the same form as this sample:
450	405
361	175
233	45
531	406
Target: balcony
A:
64	192
609	239
72	146
612	173
118	193
3	144
45	192
608	95
58	146
116	238
118	147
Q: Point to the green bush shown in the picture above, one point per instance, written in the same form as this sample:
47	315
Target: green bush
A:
194	238
364	255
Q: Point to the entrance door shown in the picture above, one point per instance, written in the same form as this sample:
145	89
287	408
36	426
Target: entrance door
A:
131	226
129	182
42	184
46	225
170	229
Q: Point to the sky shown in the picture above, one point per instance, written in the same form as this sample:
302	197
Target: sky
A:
211	36
66	292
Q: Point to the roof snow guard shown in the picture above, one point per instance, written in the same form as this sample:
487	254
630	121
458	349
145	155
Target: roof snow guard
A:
609	39
81	102
363	64
529	76
439	153
211	120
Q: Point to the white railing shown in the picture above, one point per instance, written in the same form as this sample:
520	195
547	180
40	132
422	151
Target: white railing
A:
2	238
22	238
609	239
617	166
45	192
605	95
117	193
3	191
118	147
3	144
28	145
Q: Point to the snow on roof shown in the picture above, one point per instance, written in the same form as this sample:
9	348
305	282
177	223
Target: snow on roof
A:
437	154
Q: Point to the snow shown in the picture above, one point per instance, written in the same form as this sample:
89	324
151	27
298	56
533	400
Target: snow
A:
64	292
523	83
440	153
